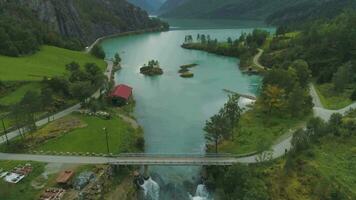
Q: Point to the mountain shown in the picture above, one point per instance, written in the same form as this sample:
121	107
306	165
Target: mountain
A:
170	5
26	24
289	10
151	6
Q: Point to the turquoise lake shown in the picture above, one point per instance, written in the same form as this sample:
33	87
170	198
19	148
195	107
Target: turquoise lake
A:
173	110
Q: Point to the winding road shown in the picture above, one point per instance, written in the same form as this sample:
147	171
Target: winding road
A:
277	150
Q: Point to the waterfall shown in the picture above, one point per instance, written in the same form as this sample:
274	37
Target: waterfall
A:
201	193
151	189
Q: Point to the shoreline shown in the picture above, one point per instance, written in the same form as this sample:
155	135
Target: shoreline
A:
142	31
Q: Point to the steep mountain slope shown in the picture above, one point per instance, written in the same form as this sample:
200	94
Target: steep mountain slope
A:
310	10
277	11
170	5
151	6
66	23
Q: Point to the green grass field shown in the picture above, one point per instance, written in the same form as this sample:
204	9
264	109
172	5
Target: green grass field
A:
15	96
91	138
49	61
332	100
253	127
22	190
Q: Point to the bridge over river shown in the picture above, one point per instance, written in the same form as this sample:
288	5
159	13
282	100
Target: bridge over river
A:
137	159
277	150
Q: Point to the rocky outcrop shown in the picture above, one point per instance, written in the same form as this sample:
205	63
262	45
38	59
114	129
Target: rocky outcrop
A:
87	20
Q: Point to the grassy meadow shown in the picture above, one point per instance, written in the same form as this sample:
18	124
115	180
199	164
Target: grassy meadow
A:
49	61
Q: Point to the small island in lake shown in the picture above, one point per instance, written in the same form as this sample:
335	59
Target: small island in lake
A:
152	69
185	72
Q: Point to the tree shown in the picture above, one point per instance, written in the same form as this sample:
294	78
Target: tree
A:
215	129
316	128
46	99
117	59
303	73
81	90
335	123
98	51
232	112
353	95
300	141
342	77
273	98
296	101
229	41
30	105
73	66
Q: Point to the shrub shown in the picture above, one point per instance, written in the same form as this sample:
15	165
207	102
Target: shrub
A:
98	51
353	96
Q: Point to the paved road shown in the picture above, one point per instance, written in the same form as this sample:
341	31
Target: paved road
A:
189	160
323	113
63	113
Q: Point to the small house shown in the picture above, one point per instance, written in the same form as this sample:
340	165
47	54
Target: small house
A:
121	94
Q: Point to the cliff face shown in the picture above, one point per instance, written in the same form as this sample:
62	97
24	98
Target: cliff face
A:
87	20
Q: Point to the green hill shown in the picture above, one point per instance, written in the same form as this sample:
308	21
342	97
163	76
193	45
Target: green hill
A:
276	11
72	24
49	61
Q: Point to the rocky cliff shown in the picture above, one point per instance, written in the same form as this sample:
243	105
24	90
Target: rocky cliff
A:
86	20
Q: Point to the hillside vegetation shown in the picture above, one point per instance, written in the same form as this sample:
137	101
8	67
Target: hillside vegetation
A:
275	11
72	24
50	61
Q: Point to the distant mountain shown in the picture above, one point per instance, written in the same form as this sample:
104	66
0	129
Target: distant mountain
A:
170	5
151	6
276	11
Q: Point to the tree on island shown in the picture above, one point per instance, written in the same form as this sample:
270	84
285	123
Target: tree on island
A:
117	59
153	68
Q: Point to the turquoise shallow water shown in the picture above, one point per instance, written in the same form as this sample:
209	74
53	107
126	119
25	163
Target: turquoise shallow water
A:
173	110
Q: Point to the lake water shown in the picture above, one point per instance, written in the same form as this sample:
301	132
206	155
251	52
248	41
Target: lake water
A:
173	110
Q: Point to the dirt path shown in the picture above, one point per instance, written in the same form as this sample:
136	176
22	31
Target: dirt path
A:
129	120
256	59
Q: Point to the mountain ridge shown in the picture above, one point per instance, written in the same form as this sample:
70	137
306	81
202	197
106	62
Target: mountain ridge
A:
287	10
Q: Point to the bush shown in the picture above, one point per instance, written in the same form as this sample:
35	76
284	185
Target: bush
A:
98	51
353	96
140	143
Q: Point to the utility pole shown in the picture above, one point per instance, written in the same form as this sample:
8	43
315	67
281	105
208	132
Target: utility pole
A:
107	140
5	131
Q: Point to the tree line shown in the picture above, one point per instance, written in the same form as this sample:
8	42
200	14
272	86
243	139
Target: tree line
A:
80	84
222	125
328	46
243	47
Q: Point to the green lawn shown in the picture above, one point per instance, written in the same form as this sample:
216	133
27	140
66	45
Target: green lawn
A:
122	137
22	190
16	96
49	61
332	100
254	126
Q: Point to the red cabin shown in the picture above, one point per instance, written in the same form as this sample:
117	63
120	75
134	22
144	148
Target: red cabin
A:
121	94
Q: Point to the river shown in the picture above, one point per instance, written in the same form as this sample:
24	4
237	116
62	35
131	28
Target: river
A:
173	110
